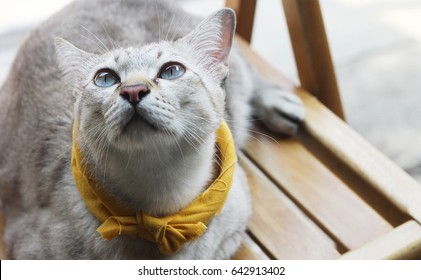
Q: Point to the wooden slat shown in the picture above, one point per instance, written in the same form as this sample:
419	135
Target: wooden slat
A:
404	242
311	51
278	224
333	205
249	250
245	11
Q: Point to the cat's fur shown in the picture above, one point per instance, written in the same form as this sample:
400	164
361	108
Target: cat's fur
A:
159	165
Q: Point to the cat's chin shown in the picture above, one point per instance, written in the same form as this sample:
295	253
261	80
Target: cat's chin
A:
138	124
138	134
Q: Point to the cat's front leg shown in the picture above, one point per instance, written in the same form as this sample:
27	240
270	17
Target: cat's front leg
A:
279	109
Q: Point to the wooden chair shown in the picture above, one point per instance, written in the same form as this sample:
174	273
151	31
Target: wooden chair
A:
326	193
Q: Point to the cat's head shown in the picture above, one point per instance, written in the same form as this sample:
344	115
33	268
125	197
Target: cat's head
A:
161	92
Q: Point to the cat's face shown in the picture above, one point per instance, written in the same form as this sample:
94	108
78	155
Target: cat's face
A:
157	94
139	95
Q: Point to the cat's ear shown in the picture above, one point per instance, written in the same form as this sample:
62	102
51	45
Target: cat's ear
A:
71	60
212	40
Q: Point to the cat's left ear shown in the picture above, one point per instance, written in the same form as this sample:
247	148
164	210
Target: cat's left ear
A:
72	61
212	40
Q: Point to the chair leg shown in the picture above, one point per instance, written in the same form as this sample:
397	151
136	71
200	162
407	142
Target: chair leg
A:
245	16
311	51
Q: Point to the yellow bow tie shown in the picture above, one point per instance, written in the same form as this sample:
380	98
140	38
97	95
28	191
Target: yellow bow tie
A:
169	232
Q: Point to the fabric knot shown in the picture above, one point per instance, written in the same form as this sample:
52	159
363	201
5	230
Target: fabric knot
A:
170	235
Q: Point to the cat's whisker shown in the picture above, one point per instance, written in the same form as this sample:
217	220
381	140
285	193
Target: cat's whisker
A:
159	22
186	115
243	120
169	29
217	157
109	37
181	28
188	137
100	144
251	134
179	147
128	160
101	151
194	134
96	37
93	42
106	146
194	125
191	137
156	150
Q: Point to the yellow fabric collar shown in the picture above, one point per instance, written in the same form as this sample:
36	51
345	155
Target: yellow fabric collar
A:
169	232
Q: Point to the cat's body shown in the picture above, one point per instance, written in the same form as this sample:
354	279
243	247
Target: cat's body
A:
159	165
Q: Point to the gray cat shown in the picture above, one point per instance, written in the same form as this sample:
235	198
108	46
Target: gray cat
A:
147	101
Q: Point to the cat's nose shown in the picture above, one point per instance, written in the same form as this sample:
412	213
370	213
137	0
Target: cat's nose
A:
134	93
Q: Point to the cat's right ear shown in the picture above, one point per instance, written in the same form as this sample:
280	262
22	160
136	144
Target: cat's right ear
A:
211	41
71	60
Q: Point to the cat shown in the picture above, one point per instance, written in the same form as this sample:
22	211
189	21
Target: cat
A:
146	103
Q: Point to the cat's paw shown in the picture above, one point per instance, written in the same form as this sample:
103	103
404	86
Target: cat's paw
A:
280	110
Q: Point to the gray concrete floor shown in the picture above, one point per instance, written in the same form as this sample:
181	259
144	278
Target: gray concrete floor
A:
375	44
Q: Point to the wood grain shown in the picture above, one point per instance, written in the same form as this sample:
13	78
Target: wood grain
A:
404	242
280	226
337	209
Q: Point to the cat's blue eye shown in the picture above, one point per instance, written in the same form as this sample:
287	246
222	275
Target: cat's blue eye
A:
106	78
171	71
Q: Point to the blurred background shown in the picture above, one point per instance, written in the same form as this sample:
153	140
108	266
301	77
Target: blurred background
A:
375	44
